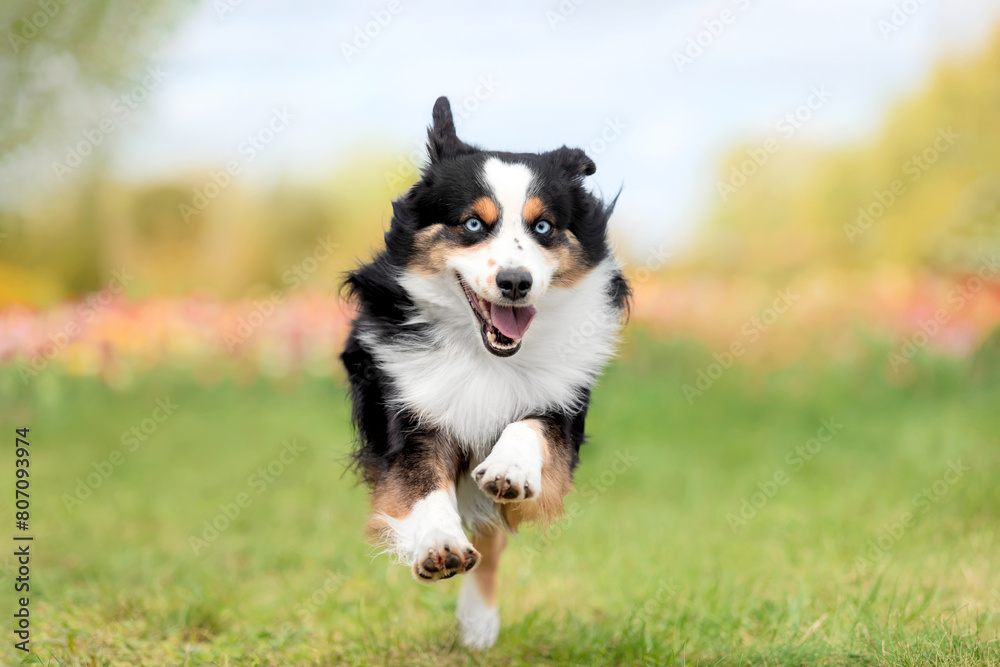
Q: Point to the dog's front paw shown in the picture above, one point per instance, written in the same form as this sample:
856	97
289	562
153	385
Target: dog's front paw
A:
513	470
441	556
506	482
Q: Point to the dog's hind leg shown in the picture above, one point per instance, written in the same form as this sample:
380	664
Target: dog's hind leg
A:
478	613
416	511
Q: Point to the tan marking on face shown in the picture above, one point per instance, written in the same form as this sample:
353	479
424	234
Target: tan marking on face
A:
486	210
491	262
533	209
491	280
567	261
432	251
557	481
489	545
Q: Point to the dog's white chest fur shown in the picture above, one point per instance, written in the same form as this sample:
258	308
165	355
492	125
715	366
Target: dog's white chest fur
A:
456	384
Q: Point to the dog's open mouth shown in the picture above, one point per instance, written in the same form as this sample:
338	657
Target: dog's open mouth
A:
503	327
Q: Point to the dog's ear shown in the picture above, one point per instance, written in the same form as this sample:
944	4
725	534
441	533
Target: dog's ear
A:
442	141
573	161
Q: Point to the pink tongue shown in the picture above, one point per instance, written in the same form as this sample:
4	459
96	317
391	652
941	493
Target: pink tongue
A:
512	322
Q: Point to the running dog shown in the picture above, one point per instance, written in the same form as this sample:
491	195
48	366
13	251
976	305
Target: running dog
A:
480	330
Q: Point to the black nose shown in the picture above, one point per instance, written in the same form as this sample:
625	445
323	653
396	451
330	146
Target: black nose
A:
514	284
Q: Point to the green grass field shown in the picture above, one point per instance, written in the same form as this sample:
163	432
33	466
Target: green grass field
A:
648	569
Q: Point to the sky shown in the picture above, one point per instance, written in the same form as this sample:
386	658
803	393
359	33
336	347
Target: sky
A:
655	92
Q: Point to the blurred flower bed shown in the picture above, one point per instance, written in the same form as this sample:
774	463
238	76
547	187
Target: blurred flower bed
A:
826	314
204	336
822	316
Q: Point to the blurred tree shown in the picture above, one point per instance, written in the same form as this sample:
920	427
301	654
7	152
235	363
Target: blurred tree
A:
62	60
924	192
59	52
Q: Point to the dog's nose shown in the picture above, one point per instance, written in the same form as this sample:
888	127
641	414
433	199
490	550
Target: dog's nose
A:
514	284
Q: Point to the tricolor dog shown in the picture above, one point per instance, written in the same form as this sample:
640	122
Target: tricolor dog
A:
480	330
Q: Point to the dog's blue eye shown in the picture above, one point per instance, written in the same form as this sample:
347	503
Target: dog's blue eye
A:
473	225
543	227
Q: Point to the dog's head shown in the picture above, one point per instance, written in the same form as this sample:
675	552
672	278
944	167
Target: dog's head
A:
495	233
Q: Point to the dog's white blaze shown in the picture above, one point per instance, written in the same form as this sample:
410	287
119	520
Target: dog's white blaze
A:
512	246
456	384
432	523
478	622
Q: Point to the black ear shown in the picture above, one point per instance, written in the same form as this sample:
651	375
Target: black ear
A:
442	142
574	161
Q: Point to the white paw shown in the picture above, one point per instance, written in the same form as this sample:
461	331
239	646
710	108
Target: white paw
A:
513	470
440	555
478	624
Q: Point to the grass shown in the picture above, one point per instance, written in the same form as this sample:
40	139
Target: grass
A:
646	570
